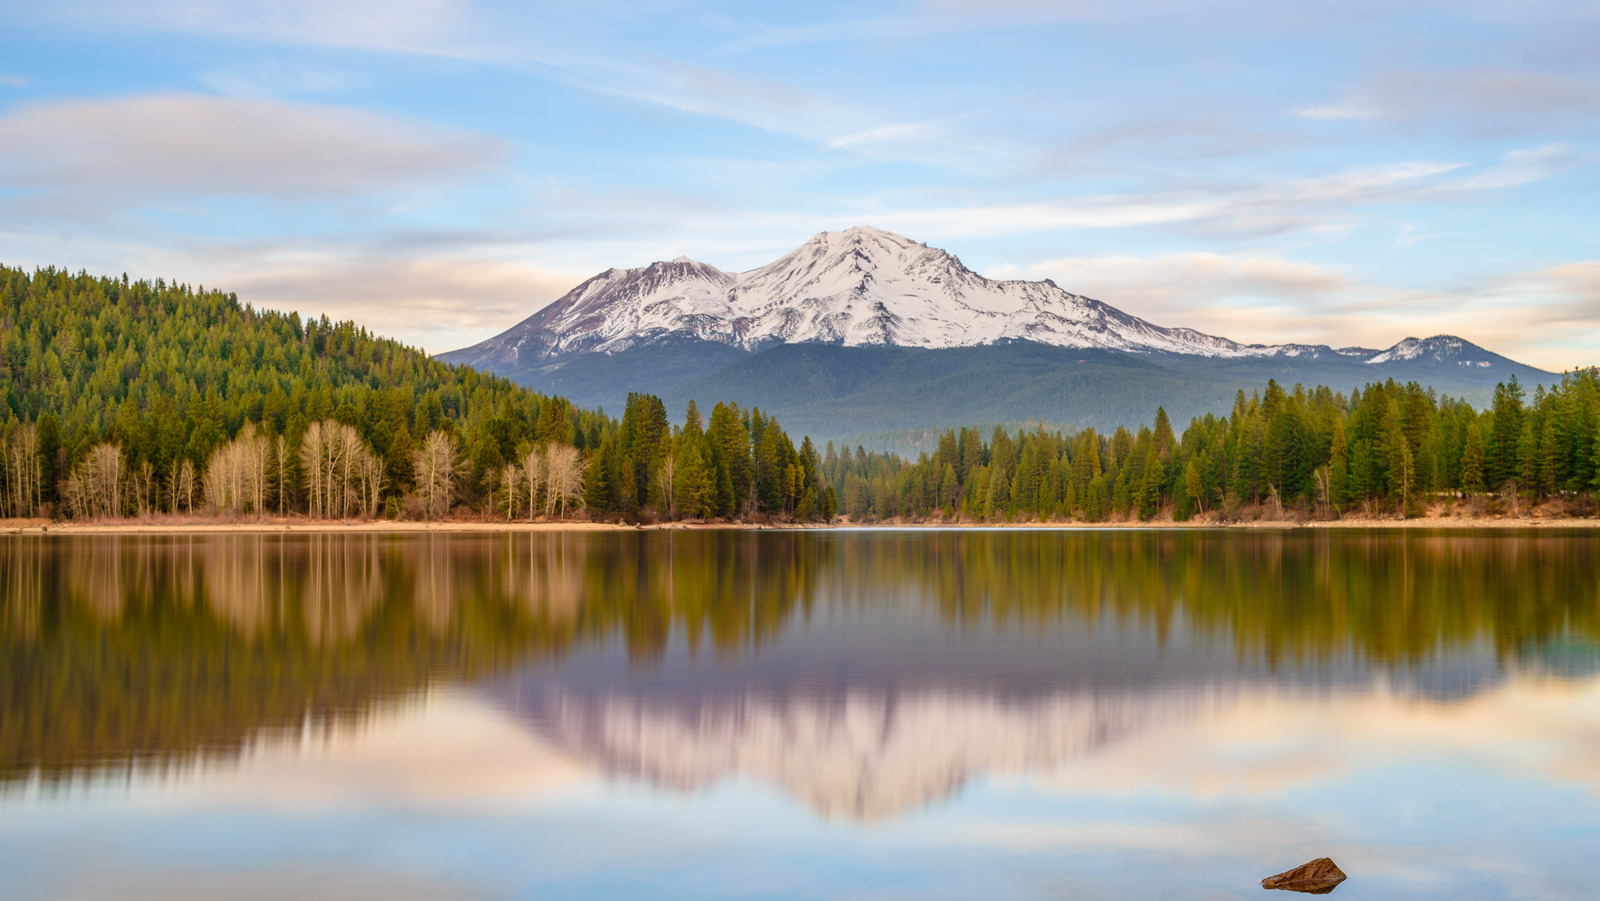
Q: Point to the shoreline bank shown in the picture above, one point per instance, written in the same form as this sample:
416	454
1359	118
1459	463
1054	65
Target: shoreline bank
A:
156	527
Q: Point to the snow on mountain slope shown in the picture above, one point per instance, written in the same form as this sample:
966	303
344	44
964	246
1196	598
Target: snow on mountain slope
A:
859	287
612	310
1439	349
864	286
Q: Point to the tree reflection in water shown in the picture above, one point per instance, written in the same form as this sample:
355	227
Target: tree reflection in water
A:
158	651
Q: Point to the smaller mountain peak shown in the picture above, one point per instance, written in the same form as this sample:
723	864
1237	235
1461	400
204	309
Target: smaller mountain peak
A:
682	259
1438	347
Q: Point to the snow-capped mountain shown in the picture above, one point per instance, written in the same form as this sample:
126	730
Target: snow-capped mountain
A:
859	287
862	332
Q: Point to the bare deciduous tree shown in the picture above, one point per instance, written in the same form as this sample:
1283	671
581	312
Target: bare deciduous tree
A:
312	450
236	477
1322	487
181	486
510	483
369	474
281	452
142	485
22	470
533	477
343	476
435	465
564	475
94	489
666	479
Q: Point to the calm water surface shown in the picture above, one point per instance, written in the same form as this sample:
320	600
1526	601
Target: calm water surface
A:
1089	714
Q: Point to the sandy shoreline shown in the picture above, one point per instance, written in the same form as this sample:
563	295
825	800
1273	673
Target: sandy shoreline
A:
42	527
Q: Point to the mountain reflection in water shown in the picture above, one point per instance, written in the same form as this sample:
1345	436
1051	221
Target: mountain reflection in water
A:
865	673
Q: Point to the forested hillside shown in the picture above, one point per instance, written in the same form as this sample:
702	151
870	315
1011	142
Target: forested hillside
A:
1388	449
133	397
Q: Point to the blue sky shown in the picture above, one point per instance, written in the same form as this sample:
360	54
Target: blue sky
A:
1351	172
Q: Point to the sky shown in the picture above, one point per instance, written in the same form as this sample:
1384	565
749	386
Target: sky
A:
1347	172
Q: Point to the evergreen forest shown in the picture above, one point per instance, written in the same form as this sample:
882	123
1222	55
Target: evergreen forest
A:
123	398
134	398
1386	449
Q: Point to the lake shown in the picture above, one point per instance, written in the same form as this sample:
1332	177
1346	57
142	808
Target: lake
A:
782	714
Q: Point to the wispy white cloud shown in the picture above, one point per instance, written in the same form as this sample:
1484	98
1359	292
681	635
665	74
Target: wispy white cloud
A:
409	26
747	38
935	140
1065	10
450	28
1522	167
1495	100
190	144
436	292
1565	302
762	102
437	303
1181	279
887	133
1266	206
1189	132
273	77
1548	318
455	30
1349	109
1409	236
13	81
1251	297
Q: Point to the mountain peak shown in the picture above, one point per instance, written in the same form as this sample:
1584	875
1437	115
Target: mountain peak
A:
865	286
1442	349
861	233
859	242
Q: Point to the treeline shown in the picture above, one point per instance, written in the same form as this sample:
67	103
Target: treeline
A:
123	397
1385	449
740	464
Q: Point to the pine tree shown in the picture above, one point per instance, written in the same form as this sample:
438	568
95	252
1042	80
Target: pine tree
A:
1504	452
949	489
1194	484
694	488
1472	462
1339	468
1154	477
600	479
994	506
1163	435
730	436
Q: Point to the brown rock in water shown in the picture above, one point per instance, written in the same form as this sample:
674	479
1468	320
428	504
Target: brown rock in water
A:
1318	877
